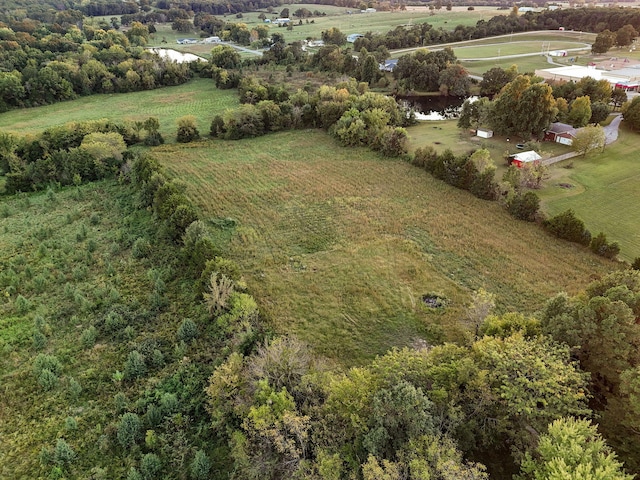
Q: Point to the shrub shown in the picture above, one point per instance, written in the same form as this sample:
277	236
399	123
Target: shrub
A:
217	127
187	330
39	341
141	248
63	454
218	265
393	142
600	246
567	226
169	404
47	362
636	264
150	466
153	139
134	474
424	157
128	430
524	206
70	424
220	289
88	337
75	389
200	466
183	216
22	304
47	379
135	366
187	129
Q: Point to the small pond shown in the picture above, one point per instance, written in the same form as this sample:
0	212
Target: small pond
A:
434	107
177	56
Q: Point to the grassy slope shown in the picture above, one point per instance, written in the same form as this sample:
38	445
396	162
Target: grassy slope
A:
339	244
199	97
605	193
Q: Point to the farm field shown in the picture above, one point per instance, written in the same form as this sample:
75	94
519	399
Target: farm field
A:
199	97
378	22
339	245
604	192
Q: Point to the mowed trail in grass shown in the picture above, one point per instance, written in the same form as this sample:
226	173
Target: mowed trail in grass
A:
199	97
604	192
339	245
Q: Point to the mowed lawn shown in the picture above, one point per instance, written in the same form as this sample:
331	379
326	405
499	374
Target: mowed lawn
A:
199	98
513	48
604	192
339	245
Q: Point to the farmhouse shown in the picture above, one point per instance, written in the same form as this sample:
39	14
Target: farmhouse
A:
560	133
524	158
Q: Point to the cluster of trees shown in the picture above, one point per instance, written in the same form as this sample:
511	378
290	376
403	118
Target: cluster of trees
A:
525	108
607	39
48	64
355	116
432	71
514	392
71	154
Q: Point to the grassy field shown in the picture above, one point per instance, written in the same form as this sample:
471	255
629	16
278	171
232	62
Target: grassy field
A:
513	48
379	22
604	192
445	134
199	97
339	245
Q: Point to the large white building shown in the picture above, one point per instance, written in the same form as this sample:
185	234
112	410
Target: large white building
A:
626	78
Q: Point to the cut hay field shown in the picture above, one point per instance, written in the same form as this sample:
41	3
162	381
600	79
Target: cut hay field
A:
604	192
199	97
339	245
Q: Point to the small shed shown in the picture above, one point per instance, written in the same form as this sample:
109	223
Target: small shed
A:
560	133
525	158
483	133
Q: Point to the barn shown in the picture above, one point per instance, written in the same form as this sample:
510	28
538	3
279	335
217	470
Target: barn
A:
560	133
524	158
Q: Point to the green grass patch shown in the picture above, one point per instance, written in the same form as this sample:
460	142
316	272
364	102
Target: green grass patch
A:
339	245
603	191
199	97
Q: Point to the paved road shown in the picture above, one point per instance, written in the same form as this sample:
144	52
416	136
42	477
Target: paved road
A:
242	49
610	135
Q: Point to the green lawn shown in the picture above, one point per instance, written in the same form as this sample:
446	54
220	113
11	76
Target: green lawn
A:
513	48
339	245
198	97
604	192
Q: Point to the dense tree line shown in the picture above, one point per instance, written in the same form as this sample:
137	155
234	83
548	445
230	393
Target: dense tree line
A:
584	19
47	66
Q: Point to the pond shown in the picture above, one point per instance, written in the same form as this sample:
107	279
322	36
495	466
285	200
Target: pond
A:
434	107
177	56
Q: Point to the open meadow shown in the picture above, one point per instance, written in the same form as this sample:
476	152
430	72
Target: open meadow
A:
199	98
603	191
340	245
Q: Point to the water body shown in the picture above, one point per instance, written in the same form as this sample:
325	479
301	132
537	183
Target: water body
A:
177	56
434	107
